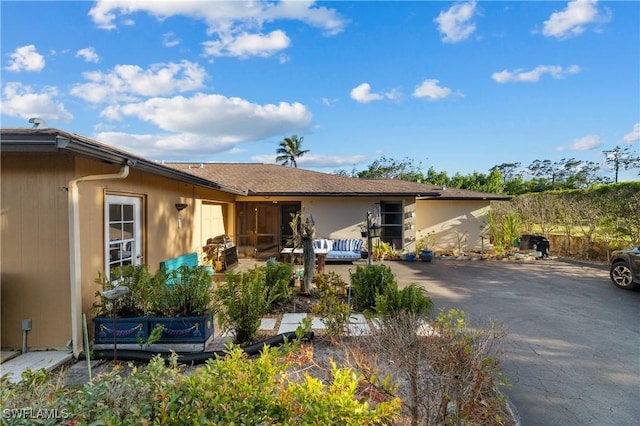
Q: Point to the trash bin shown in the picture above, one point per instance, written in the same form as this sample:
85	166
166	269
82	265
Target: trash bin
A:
535	242
525	243
543	247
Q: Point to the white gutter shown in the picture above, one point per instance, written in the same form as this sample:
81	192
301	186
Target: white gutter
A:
74	253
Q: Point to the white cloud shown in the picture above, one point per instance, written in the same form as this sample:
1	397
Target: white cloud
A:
22	101
126	82
225	120
88	54
203	125
456	23
329	102
634	136
432	90
363	94
228	21
170	40
308	12
534	75
586	143
245	45
26	58
167	147
572	20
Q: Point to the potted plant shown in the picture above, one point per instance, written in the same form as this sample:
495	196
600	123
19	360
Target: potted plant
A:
179	302
423	247
426	255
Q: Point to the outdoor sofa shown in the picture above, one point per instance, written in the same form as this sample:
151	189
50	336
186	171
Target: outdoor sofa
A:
340	249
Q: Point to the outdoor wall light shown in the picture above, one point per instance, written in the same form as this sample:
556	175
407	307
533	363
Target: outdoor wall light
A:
180	206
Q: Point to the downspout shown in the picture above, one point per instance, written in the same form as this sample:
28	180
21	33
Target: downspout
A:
74	253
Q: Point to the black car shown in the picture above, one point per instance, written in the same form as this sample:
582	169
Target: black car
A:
625	268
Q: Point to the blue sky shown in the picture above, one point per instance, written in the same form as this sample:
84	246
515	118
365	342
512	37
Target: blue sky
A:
460	86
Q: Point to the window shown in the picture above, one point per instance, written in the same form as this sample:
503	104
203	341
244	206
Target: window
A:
391	218
122	232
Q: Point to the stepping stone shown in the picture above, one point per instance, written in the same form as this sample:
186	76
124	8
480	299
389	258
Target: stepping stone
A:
358	319
318	324
358	329
267	323
358	325
290	322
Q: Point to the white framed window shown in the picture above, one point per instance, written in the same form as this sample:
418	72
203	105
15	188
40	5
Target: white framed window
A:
123	237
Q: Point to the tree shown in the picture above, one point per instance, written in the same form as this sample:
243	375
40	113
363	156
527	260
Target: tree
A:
437	178
389	168
509	171
304	232
289	151
621	158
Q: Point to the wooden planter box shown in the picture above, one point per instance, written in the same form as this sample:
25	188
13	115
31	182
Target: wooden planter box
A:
184	329
126	330
180	334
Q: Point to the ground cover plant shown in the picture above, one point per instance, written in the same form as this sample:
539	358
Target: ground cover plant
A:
269	389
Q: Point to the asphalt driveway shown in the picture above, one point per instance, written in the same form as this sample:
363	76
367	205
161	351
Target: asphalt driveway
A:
573	344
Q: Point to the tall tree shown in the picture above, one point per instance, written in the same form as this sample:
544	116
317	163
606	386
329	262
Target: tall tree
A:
290	150
508	170
390	168
621	158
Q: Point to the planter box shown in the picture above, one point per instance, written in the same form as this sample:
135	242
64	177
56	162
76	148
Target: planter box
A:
180	334
184	329
126	330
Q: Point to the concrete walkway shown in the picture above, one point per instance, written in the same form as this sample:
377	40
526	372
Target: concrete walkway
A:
289	322
36	360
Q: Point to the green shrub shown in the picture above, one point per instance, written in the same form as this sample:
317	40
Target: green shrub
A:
240	303
410	299
331	282
369	282
277	276
137	302
183	292
234	389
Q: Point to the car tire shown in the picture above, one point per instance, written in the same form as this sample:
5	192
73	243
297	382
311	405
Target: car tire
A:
622	276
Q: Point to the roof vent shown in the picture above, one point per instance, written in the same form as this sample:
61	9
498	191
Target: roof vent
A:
37	122
444	187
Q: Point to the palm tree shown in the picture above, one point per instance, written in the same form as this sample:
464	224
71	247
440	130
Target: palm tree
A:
289	150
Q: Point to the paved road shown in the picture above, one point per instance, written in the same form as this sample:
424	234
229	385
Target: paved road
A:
573	344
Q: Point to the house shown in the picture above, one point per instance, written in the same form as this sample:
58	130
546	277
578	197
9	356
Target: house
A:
446	218
73	208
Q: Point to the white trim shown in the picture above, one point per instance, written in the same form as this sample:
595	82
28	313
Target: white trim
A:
130	250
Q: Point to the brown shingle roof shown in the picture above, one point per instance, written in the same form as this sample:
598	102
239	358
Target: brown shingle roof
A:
238	178
272	179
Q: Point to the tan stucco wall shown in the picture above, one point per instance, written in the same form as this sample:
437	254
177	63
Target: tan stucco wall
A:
458	225
35	247
35	236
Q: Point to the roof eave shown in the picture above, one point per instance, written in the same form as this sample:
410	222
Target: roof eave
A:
337	194
62	141
493	198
